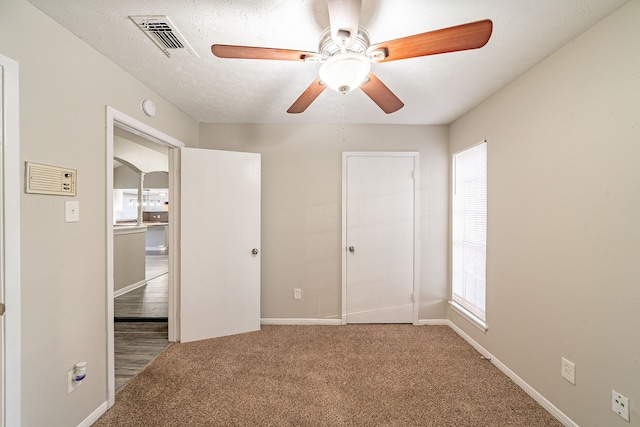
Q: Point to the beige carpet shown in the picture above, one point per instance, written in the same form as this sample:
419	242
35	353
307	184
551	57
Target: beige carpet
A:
354	375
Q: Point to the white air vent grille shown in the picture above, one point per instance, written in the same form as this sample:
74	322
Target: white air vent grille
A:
164	34
45	179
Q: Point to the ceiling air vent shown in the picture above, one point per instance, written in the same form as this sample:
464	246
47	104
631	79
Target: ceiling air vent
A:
164	34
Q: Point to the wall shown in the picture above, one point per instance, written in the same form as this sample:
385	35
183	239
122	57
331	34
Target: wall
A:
564	221
301	208
126	178
128	257
64	88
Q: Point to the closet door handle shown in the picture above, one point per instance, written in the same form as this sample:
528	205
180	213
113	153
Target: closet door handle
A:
352	249
255	251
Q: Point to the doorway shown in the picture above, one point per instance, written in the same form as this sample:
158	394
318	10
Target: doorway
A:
231	219
140	212
380	230
117	121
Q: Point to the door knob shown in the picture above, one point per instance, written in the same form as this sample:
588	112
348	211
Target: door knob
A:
352	249
254	251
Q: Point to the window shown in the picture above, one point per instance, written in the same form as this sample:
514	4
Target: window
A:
469	233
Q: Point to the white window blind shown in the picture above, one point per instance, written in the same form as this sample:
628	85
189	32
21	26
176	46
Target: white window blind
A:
469	230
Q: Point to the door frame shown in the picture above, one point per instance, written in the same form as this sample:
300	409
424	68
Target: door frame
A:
10	223
416	227
117	119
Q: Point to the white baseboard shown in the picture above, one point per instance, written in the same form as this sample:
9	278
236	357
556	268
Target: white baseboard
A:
300	321
553	410
100	410
129	288
433	322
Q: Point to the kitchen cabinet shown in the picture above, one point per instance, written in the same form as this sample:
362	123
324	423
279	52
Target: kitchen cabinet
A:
155	216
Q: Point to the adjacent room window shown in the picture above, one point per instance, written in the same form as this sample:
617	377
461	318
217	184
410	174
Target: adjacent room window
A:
469	233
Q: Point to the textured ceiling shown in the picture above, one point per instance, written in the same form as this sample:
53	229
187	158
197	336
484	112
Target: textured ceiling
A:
435	89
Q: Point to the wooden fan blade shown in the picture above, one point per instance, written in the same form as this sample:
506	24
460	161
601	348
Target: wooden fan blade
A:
251	52
308	96
344	18
462	37
381	95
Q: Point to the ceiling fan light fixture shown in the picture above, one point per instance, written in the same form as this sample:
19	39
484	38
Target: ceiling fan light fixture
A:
345	72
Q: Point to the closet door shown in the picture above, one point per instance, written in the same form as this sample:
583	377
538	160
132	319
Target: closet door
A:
380	225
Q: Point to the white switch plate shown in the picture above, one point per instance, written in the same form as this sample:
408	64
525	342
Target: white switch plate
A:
72	211
297	293
568	371
620	404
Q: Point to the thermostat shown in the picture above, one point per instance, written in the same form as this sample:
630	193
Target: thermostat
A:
46	179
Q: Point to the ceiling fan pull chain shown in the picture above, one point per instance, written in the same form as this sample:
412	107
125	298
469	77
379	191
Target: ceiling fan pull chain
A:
343	118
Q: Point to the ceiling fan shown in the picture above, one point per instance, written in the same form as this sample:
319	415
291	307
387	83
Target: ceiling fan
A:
346	54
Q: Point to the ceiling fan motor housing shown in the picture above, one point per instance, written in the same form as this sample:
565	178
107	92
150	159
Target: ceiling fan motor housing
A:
328	47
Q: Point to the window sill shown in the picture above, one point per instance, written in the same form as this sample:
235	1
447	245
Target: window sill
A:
467	315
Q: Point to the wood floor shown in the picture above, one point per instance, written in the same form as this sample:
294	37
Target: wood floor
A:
150	301
140	327
137	344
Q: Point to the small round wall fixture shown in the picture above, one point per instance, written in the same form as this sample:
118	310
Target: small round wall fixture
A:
148	107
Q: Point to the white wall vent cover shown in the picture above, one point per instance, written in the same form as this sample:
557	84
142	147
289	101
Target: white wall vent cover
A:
45	179
164	34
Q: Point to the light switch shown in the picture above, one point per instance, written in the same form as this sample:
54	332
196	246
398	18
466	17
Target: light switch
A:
72	211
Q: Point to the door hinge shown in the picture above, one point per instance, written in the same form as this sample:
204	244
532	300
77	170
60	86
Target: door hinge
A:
413	299
1	309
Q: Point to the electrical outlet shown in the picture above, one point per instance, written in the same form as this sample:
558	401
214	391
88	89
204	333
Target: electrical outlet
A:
568	371
71	384
620	404
297	293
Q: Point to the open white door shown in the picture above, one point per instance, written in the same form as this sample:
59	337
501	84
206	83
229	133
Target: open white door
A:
220	238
